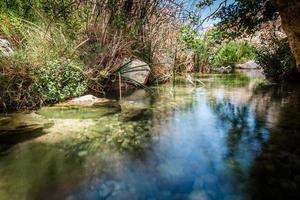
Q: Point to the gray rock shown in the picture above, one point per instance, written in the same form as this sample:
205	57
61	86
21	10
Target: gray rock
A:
79	112
5	47
106	190
137	95
251	64
20	127
5	120
134	114
198	195
223	69
87	100
138	71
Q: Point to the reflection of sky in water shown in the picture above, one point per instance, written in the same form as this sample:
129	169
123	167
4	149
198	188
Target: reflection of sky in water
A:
198	141
201	150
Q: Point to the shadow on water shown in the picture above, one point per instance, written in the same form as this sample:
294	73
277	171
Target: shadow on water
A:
234	138
276	171
20	127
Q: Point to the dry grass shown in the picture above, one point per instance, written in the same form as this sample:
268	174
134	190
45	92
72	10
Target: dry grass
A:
111	33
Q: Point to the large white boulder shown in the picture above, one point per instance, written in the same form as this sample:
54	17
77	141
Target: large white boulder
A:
86	100
138	71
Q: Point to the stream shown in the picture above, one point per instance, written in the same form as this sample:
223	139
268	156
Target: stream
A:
232	136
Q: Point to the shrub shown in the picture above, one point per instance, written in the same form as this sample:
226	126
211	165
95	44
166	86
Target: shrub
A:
40	70
233	53
59	80
25	86
15	82
200	47
277	60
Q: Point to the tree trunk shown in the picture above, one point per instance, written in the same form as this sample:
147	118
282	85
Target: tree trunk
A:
289	11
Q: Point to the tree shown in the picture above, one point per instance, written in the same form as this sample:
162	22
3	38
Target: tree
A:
239	16
243	17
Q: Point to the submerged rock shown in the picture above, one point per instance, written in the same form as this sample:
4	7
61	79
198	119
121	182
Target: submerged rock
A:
106	189
134	114
85	107
79	112
20	127
5	120
198	195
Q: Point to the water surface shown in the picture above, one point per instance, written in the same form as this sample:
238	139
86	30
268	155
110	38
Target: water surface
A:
209	141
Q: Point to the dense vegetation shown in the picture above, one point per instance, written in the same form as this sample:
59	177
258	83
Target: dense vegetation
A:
277	60
66	48
240	19
232	53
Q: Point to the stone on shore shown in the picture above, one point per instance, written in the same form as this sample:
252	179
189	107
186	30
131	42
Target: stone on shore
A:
251	64
138	71
5	47
20	127
87	100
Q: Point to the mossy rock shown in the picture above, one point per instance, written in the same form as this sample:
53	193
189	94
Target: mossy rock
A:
80	112
135	114
20	127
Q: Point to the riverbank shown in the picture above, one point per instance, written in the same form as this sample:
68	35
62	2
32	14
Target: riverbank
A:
48	57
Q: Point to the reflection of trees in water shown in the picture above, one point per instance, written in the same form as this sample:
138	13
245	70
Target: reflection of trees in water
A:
246	124
276	171
167	101
242	135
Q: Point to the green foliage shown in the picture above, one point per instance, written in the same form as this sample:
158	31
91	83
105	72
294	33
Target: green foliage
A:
62	12
11	26
233	53
239	17
59	80
191	38
130	135
277	60
200	46
23	85
21	8
38	42
65	13
214	36
40	69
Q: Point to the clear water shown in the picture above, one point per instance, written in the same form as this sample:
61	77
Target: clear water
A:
177	142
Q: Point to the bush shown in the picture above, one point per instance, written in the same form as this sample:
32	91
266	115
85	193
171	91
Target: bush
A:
15	82
25	86
59	80
40	70
233	53
277	60
200	47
